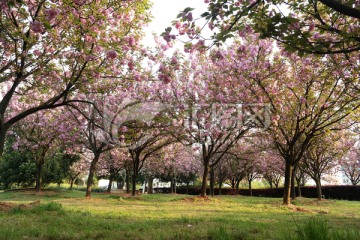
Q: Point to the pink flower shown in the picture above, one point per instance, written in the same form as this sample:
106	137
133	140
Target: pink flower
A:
123	129
174	60
79	2
311	27
189	17
37	27
132	41
131	66
51	13
317	36
37	53
177	25
111	54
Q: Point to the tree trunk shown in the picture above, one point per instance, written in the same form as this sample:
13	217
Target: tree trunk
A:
287	183
39	167
150	185
127	181
250	188
111	179
90	179
233	183
72	180
133	193
175	185
318	189
204	178
220	180
172	186
298	181
135	170
2	140
237	186
212	181
293	193
220	185
187	187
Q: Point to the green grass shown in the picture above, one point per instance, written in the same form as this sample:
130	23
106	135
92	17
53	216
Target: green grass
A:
65	214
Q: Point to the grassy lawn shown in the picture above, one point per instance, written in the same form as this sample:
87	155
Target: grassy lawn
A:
66	214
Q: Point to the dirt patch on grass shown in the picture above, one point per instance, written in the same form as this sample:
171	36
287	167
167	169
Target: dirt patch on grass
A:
199	199
298	209
5	206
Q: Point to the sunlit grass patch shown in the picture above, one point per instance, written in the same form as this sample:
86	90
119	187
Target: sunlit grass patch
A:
69	215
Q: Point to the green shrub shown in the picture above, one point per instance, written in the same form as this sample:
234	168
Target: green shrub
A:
347	234
314	229
317	228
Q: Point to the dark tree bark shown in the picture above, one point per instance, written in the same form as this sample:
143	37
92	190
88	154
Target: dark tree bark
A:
134	176
318	189
172	185
72	180
212	182
127	181
111	180
237	186
91	175
293	193
220	180
150	185
287	184
342	8
204	178
72	183
2	140
39	167
232	182
250	188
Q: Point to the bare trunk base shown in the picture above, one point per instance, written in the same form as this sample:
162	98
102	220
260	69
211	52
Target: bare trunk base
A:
287	183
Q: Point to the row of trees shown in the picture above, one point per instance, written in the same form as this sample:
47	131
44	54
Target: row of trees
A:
179	165
93	89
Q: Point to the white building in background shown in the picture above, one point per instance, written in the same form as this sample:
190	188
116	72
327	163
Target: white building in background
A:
104	183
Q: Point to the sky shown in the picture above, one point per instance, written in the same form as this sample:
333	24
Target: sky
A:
165	11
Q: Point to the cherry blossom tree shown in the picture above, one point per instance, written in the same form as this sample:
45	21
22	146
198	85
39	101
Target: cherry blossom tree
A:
307	96
77	170
321	157
46	64
236	169
143	141
179	164
301	178
90	122
111	163
272	167
350	165
319	27
43	134
207	109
